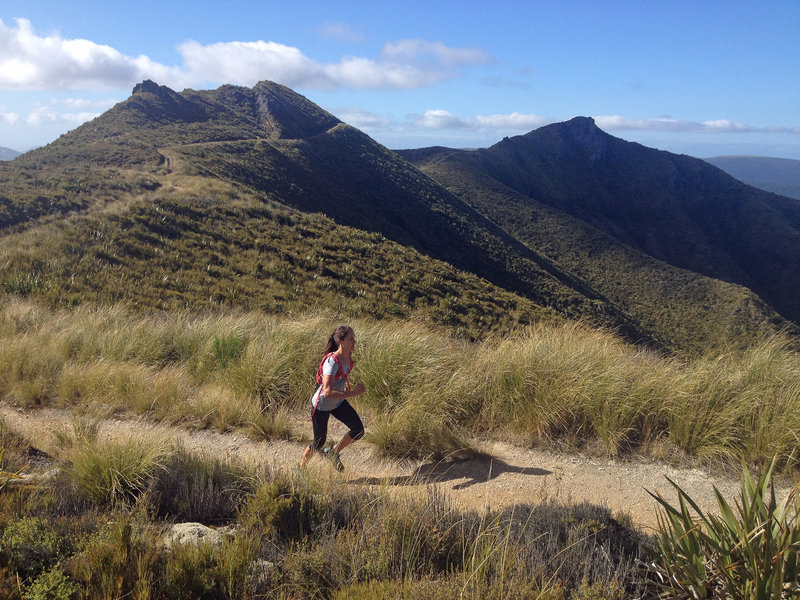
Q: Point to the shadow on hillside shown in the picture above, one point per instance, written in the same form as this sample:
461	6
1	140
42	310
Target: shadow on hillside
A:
473	471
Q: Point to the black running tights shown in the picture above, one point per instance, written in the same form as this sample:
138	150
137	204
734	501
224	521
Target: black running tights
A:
344	413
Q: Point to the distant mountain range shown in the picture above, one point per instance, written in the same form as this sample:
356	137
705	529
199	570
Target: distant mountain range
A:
8	153
256	197
778	175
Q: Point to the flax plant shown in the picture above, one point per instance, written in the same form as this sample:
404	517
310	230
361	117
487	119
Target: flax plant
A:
748	551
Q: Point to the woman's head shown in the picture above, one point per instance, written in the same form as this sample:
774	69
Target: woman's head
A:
342	332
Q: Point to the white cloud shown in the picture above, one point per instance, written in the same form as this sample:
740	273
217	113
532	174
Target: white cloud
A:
421	51
402	65
32	62
9	118
363	119
248	62
78	103
46	114
514	121
441	119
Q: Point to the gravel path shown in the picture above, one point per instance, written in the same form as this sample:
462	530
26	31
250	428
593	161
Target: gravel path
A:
512	474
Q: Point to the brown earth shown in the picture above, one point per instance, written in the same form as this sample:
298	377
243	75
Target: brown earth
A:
511	475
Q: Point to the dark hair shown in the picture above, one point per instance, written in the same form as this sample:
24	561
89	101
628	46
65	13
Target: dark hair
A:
336	337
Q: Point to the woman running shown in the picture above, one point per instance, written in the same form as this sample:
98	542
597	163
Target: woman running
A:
331	397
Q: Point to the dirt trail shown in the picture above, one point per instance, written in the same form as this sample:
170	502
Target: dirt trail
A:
512	475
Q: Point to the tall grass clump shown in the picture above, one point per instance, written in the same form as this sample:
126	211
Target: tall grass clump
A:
113	471
740	405
407	370
566	385
278	365
198	487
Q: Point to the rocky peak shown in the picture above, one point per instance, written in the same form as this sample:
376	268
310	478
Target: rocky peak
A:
283	113
150	86
160	103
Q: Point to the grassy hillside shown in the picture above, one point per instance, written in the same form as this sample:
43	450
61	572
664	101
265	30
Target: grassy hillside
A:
689	310
122	172
190	245
675	208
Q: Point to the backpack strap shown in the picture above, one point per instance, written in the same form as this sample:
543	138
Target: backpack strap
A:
340	373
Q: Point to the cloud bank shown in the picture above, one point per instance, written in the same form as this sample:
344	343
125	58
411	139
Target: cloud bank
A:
32	62
518	123
668	124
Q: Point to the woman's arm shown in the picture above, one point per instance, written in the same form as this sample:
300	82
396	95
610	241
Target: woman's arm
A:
328	391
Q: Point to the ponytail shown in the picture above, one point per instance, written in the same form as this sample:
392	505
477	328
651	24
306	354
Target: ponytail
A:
337	336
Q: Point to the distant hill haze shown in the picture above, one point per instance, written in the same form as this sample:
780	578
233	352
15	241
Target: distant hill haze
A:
8	153
778	175
663	248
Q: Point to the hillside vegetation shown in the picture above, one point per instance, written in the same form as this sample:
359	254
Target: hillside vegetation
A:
191	245
682	307
244	154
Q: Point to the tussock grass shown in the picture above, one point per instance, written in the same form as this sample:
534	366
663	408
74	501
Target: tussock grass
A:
117	471
427	394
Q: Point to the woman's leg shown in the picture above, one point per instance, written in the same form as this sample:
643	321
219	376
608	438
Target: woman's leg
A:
319	423
348	415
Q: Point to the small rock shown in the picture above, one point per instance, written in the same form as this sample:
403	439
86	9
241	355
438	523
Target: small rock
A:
195	533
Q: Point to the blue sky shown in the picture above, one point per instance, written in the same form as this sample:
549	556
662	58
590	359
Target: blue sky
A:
703	77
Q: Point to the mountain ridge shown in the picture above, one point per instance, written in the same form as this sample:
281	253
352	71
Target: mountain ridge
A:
674	208
266	149
8	153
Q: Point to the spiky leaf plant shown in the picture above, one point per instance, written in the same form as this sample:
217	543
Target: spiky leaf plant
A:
747	551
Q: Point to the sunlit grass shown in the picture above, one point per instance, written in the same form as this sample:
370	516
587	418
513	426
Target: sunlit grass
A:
427	393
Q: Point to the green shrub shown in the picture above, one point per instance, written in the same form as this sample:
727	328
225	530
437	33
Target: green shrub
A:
52	585
33	546
751	552
188	571
281	510
120	560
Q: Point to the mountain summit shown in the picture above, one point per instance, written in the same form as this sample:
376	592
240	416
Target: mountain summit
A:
672	207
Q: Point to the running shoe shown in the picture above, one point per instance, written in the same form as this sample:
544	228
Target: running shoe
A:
333	456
